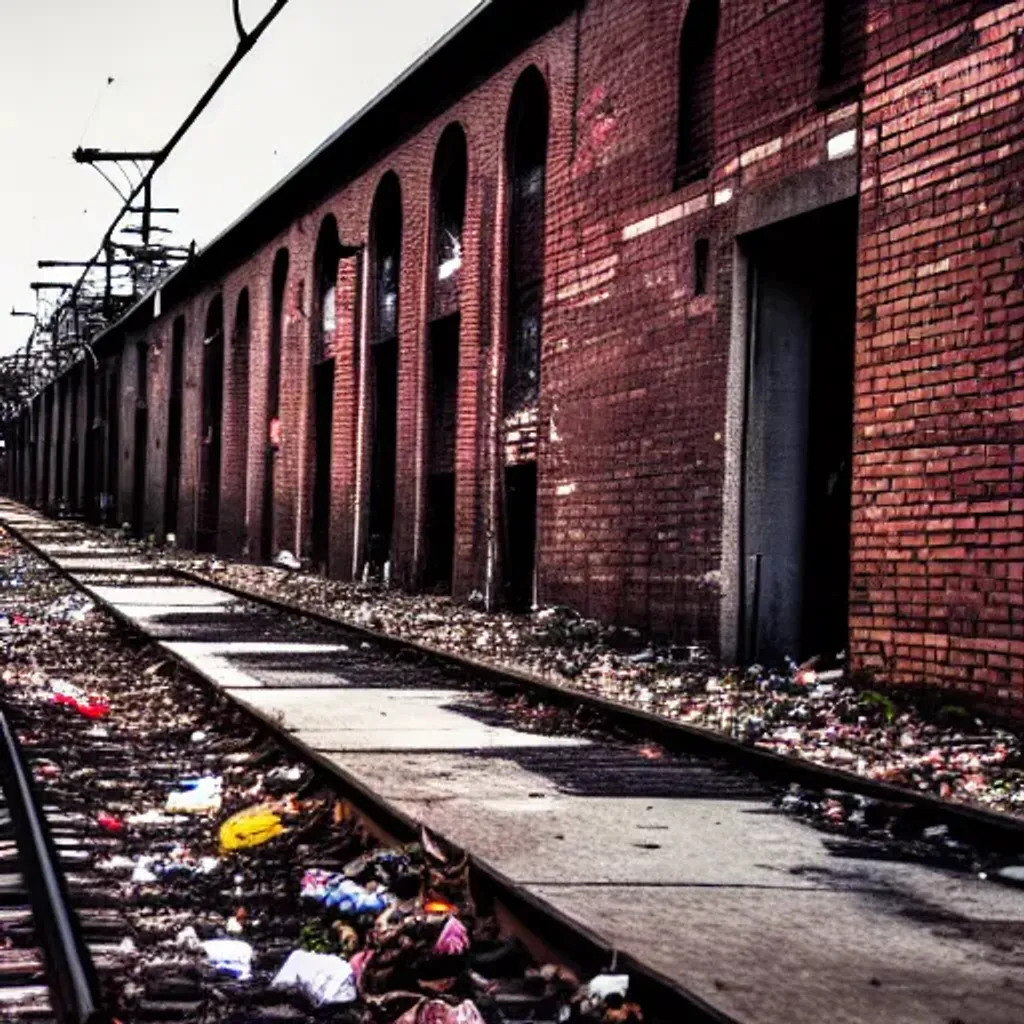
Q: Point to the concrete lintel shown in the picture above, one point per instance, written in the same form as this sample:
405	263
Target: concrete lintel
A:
799	193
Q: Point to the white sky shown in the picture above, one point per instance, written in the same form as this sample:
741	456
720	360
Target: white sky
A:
318	63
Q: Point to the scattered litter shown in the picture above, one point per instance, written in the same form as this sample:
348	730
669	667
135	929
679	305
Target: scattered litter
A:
251	827
197	796
453	940
321	977
148	868
339	893
71	608
435	1011
90	705
1011	873
286	560
230	956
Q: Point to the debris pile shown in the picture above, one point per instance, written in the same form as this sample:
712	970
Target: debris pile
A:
249	890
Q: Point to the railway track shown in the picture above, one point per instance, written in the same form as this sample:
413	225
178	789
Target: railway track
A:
1000	832
696	762
99	771
46	970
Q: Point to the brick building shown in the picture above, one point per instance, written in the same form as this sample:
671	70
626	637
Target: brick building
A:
705	317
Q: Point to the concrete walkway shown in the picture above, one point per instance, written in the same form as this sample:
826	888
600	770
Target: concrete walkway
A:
690	870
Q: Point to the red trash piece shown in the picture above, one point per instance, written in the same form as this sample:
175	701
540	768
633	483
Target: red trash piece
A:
109	822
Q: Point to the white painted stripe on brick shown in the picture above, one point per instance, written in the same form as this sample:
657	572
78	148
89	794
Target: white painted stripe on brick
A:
842	144
762	152
723	196
641	227
696	205
564	490
670	216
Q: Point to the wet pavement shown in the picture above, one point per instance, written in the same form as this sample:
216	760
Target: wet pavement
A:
688	867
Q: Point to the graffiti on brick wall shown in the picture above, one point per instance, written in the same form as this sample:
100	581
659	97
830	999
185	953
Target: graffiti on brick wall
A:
597	125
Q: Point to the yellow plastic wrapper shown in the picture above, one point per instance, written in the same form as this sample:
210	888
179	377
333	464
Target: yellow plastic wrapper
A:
251	827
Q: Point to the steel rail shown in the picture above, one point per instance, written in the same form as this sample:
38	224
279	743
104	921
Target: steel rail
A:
74	986
549	933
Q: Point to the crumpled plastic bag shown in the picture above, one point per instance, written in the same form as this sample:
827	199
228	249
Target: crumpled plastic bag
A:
321	977
436	1011
151	868
196	796
89	704
338	892
454	938
231	956
72	608
251	827
599	989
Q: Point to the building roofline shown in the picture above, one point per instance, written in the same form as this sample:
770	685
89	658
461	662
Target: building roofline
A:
488	36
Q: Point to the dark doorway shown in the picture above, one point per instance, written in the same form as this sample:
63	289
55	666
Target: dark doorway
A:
386	242
113	418
799	435
520	534
273	438
141	439
210	436
383	424
442	419
323	388
236	456
174	413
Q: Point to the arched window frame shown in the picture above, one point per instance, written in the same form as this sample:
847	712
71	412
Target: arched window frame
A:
695	125
325	280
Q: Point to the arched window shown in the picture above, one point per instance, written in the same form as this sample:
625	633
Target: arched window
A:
210	445
385	265
843	43
325	268
449	194
527	147
448	191
236	443
526	151
696	127
278	286
174	424
386	242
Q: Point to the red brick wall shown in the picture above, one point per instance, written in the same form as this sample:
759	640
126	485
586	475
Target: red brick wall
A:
635	377
938	561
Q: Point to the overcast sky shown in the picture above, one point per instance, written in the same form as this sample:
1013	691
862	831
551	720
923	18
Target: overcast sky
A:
316	65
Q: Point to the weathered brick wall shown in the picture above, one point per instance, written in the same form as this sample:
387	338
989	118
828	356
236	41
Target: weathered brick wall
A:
637	410
635	370
938	560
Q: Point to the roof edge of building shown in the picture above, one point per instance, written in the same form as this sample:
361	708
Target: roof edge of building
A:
367	135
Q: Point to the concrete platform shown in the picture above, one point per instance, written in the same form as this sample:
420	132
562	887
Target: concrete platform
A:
690	870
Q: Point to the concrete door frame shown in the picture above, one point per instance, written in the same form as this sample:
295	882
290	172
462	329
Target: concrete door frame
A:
801	193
